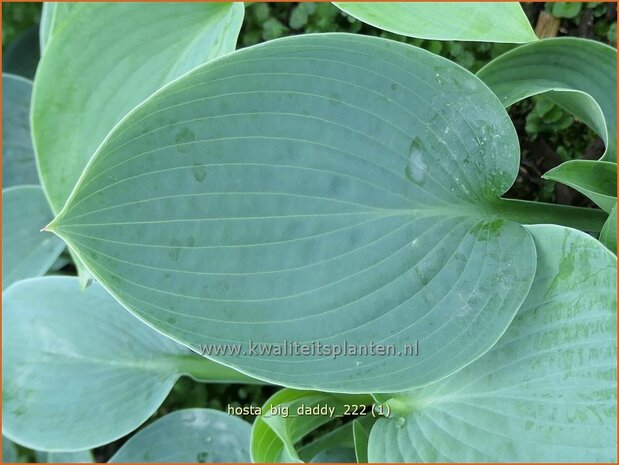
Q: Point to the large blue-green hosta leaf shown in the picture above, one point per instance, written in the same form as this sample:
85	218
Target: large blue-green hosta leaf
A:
328	188
195	435
79	371
545	393
579	75
104	60
26	251
487	21
67	383
18	163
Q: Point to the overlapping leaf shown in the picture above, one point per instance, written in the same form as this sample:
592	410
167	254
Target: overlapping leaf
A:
276	432
608	235
577	74
103	61
9	451
335	455
78	370
83	456
52	16
361	435
26	251
18	163
338	445
545	393
488	22
595	179
333	189
189	436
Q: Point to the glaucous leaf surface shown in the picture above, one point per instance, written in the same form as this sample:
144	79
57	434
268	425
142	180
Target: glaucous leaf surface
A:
595	179
26	251
485	22
86	84
327	188
18	163
545	393
608	235
577	74
195	435
78	370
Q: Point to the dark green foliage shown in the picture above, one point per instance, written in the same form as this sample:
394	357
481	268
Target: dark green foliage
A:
546	117
17	18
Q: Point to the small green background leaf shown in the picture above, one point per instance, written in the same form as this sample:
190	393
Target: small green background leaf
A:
564	9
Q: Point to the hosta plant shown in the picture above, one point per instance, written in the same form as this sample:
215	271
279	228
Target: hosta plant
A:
325	191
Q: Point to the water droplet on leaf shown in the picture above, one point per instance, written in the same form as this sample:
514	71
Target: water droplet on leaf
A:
416	167
175	251
183	138
199	172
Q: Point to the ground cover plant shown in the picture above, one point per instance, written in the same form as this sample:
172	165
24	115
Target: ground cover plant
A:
337	192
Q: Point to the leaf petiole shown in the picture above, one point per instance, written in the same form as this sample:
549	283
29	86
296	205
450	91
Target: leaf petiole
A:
527	212
204	370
